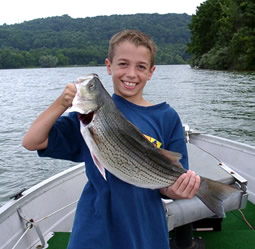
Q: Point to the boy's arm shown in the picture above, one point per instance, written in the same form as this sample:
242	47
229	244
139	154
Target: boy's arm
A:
36	137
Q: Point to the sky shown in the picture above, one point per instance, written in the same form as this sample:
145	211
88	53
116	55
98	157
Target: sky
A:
18	11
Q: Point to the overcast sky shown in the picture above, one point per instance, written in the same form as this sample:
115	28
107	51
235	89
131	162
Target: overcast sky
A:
17	11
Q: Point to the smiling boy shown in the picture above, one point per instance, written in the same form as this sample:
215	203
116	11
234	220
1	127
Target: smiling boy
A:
131	67
113	214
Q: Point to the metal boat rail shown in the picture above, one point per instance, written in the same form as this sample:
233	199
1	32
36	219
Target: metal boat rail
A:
48	207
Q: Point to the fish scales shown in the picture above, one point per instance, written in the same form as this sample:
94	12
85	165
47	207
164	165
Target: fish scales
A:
145	160
117	158
113	153
136	166
118	146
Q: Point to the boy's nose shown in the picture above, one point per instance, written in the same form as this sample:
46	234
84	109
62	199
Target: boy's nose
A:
131	72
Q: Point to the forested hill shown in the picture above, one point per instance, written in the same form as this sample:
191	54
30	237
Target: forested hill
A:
61	41
223	35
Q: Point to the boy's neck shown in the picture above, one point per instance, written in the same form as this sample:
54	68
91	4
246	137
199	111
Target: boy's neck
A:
145	102
138	100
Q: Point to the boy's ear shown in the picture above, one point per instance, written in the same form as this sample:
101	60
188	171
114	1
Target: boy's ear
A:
151	71
108	66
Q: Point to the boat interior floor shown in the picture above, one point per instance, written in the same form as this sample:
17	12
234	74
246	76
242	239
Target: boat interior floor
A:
237	231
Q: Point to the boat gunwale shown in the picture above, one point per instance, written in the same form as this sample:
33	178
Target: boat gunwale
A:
239	146
32	193
202	140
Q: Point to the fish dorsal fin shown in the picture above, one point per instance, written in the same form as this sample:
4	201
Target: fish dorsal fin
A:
174	157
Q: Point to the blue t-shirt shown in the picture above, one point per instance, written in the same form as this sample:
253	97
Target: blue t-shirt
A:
113	214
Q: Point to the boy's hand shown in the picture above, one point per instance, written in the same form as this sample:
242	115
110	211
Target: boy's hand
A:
185	186
36	137
66	98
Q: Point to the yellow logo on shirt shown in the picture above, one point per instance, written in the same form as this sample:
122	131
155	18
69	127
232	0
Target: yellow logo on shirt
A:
154	141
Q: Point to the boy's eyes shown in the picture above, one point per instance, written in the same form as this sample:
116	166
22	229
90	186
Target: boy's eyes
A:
122	64
142	67
125	64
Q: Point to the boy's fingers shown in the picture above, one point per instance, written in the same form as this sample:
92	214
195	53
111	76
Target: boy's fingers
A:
71	88
179	182
185	186
68	94
192	186
186	182
189	181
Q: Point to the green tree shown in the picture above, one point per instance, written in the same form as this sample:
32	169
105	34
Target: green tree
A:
62	59
11	59
204	27
222	35
48	61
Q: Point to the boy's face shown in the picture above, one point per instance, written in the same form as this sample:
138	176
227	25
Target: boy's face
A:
130	70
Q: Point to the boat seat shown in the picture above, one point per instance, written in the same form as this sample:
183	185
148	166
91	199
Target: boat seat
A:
181	212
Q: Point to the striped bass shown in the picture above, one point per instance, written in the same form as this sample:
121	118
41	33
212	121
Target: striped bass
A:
117	145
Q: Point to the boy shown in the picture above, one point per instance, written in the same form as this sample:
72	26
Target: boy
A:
113	214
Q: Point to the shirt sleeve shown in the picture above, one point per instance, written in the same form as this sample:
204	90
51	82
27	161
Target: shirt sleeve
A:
65	140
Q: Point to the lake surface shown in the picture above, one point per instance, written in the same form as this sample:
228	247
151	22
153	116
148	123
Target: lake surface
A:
216	102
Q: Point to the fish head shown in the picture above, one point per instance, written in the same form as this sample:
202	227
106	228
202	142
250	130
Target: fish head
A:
89	95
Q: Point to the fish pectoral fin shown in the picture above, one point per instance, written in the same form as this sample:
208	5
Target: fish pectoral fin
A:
174	157
99	166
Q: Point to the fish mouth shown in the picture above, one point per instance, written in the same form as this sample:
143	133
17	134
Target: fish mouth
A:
86	118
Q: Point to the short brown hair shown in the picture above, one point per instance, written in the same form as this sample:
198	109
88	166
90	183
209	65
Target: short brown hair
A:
134	36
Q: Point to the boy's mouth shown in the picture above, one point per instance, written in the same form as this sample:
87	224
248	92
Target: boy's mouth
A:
129	85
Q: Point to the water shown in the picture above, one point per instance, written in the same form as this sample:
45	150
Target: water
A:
220	103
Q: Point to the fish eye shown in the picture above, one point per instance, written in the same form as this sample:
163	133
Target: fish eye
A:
91	86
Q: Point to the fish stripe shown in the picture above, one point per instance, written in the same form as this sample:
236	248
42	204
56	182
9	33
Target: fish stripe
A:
132	162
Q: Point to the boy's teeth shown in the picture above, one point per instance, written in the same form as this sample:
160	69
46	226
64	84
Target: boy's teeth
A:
129	83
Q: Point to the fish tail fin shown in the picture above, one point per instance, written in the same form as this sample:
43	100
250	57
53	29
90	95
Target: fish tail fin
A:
213	193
